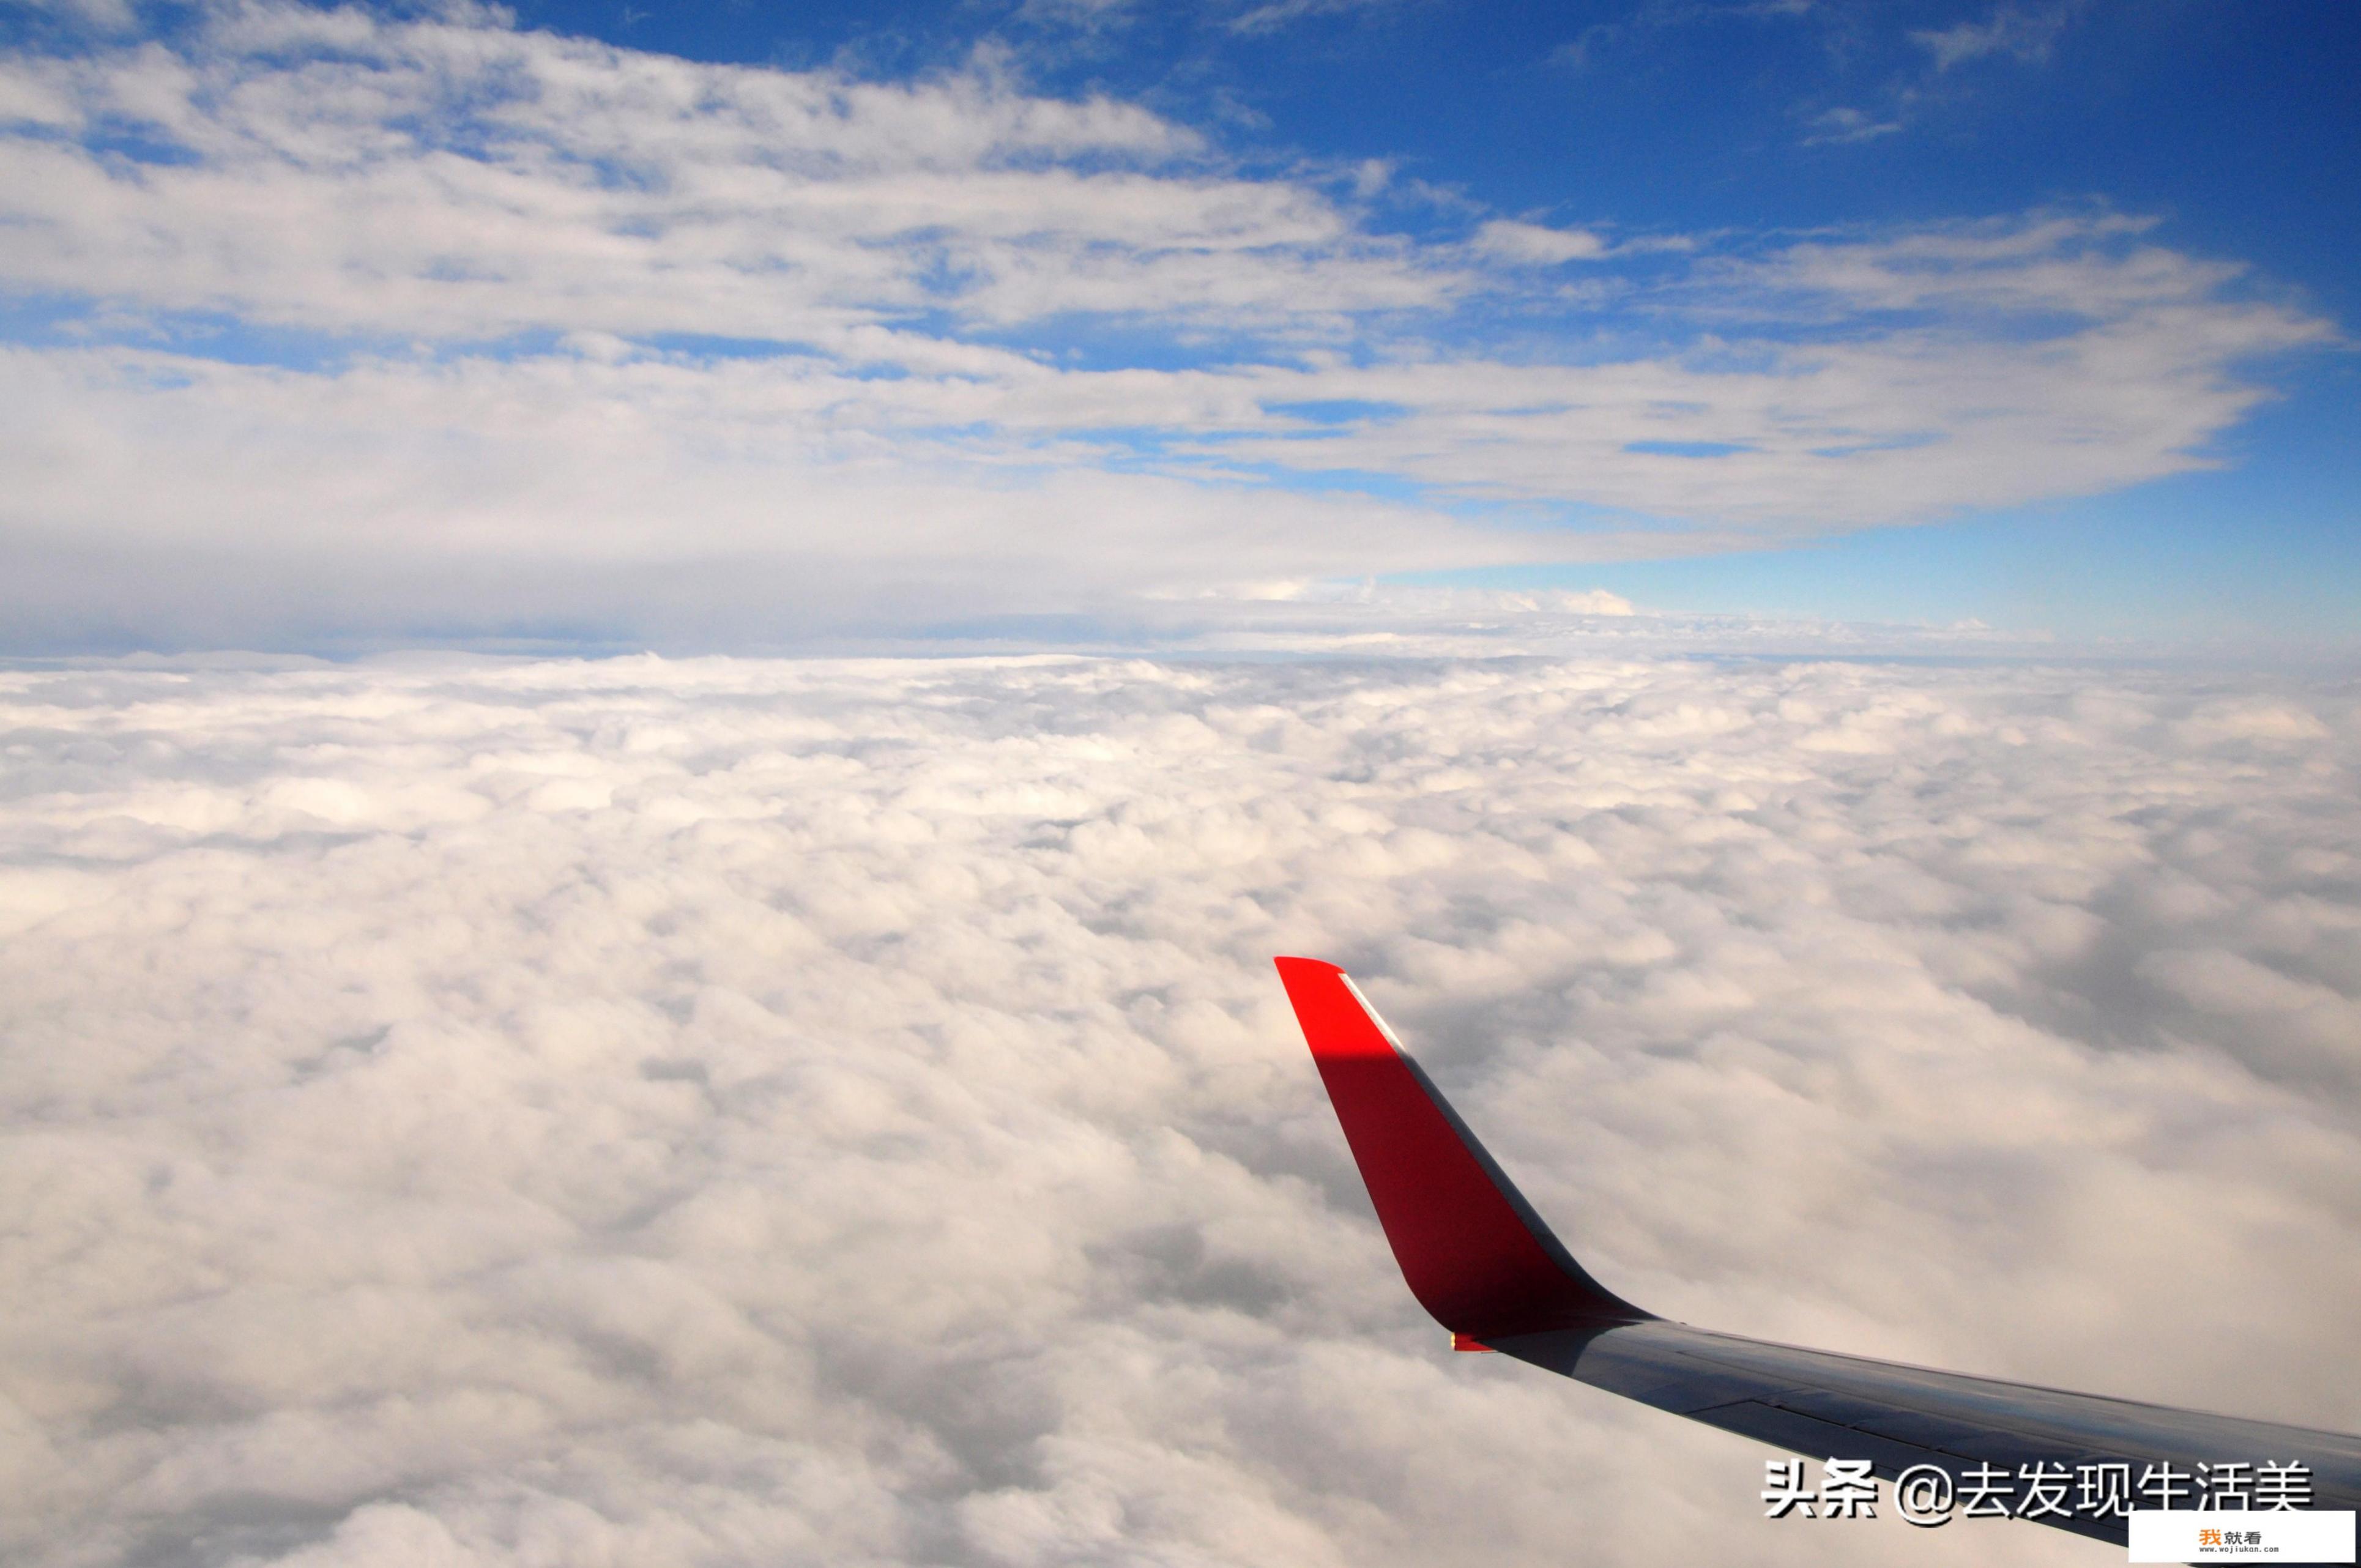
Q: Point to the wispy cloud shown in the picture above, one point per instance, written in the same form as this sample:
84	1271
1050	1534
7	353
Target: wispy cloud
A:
1650	19
1916	87
1510	240
2026	34
511	319
105	15
1270	16
1847	125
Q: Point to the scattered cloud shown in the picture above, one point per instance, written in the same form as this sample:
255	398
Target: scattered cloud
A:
2024	34
1270	16
1086	14
1514	241
1847	125
105	15
840	1111
534	333
1651	19
1923	83
1575	54
458	181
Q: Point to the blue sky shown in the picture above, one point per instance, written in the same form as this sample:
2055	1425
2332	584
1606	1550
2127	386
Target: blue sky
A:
707	325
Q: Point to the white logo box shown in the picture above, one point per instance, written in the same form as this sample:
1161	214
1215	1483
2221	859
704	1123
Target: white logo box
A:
2178	1535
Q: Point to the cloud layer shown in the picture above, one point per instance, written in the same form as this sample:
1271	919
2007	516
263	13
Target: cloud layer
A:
415	326
732	1113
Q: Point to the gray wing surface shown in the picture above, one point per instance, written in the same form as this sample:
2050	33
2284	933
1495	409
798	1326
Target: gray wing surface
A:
1487	1267
1819	1406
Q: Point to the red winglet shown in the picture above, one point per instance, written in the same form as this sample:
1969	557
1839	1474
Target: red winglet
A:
1472	1250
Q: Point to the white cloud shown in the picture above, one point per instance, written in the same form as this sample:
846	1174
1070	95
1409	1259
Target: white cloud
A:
438	328
2025	34
1085	14
1271	16
1536	244
1844	124
836	1113
107	15
799	492
455	179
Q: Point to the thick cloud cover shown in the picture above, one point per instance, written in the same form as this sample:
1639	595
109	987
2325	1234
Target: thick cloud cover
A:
835	1112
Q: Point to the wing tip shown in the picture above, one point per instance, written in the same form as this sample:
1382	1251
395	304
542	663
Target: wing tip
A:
1287	964
1337	1023
1472	1250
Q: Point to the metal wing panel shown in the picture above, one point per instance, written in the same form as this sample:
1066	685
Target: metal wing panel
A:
1822	1405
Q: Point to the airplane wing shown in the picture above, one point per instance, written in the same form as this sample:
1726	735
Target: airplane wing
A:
1488	1269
